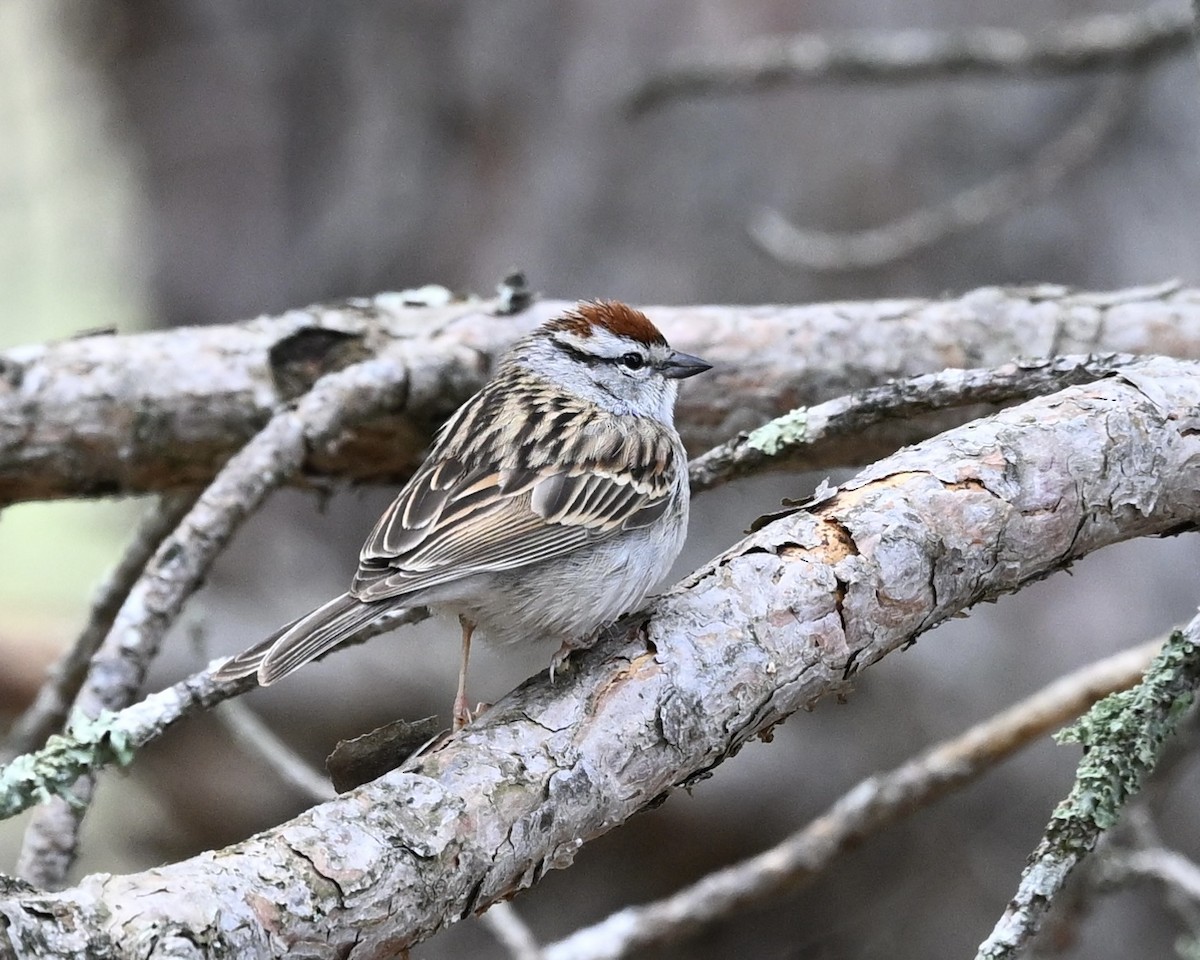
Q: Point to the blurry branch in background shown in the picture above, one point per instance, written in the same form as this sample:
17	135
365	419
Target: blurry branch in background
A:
48	712
1103	42
990	200
259	740
178	567
871	806
208	391
1177	875
806	602
506	925
1123	737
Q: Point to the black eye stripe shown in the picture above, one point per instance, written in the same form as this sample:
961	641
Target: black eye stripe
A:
580	355
592	359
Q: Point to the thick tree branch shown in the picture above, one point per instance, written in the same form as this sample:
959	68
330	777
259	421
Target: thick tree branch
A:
871	806
782	619
1104	42
162	411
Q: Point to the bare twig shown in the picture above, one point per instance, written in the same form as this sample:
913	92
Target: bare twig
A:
513	933
798	440
1169	867
990	200
48	711
181	562
1104	42
1122	737
255	737
871	806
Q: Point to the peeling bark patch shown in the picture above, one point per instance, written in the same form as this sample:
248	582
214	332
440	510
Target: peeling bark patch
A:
634	668
300	359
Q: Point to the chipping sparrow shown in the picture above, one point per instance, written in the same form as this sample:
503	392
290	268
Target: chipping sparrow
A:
552	501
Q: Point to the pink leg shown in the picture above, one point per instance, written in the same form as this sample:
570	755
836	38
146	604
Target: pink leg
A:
462	715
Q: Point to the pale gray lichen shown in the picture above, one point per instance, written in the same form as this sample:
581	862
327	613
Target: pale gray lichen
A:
780	433
1123	735
88	744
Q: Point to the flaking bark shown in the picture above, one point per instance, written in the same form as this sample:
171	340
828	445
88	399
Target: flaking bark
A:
782	619
107	415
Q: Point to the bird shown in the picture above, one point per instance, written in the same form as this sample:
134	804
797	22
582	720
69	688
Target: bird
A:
549	505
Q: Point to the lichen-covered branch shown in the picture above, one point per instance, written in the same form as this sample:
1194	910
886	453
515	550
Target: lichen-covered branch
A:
110	739
785	617
813	437
161	411
1122	736
1105	42
869	807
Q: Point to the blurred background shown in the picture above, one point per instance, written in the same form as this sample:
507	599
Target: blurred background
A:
198	161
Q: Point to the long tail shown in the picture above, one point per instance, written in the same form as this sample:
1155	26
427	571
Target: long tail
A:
304	640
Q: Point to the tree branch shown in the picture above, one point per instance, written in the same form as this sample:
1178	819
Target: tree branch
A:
1104	42
1122	737
871	806
1001	194
813	437
780	620
108	415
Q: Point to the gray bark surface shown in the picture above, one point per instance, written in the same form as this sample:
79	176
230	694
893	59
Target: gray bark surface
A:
783	618
109	415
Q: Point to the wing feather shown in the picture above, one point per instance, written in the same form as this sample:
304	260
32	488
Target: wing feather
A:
562	487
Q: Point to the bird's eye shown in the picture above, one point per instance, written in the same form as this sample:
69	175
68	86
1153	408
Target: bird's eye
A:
634	361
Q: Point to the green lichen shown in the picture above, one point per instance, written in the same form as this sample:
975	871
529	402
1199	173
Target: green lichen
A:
782	432
89	743
1123	736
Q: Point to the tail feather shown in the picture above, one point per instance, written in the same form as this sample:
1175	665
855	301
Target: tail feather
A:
303	640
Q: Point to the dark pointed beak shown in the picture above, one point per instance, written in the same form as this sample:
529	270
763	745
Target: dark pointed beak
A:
682	365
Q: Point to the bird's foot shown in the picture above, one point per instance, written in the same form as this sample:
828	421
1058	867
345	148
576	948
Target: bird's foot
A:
464	714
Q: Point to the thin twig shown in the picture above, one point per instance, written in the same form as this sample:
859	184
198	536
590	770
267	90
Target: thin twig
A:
1104	42
1121	863
1123	737
506	925
255	737
48	712
994	198
1169	867
799	439
180	564
872	805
